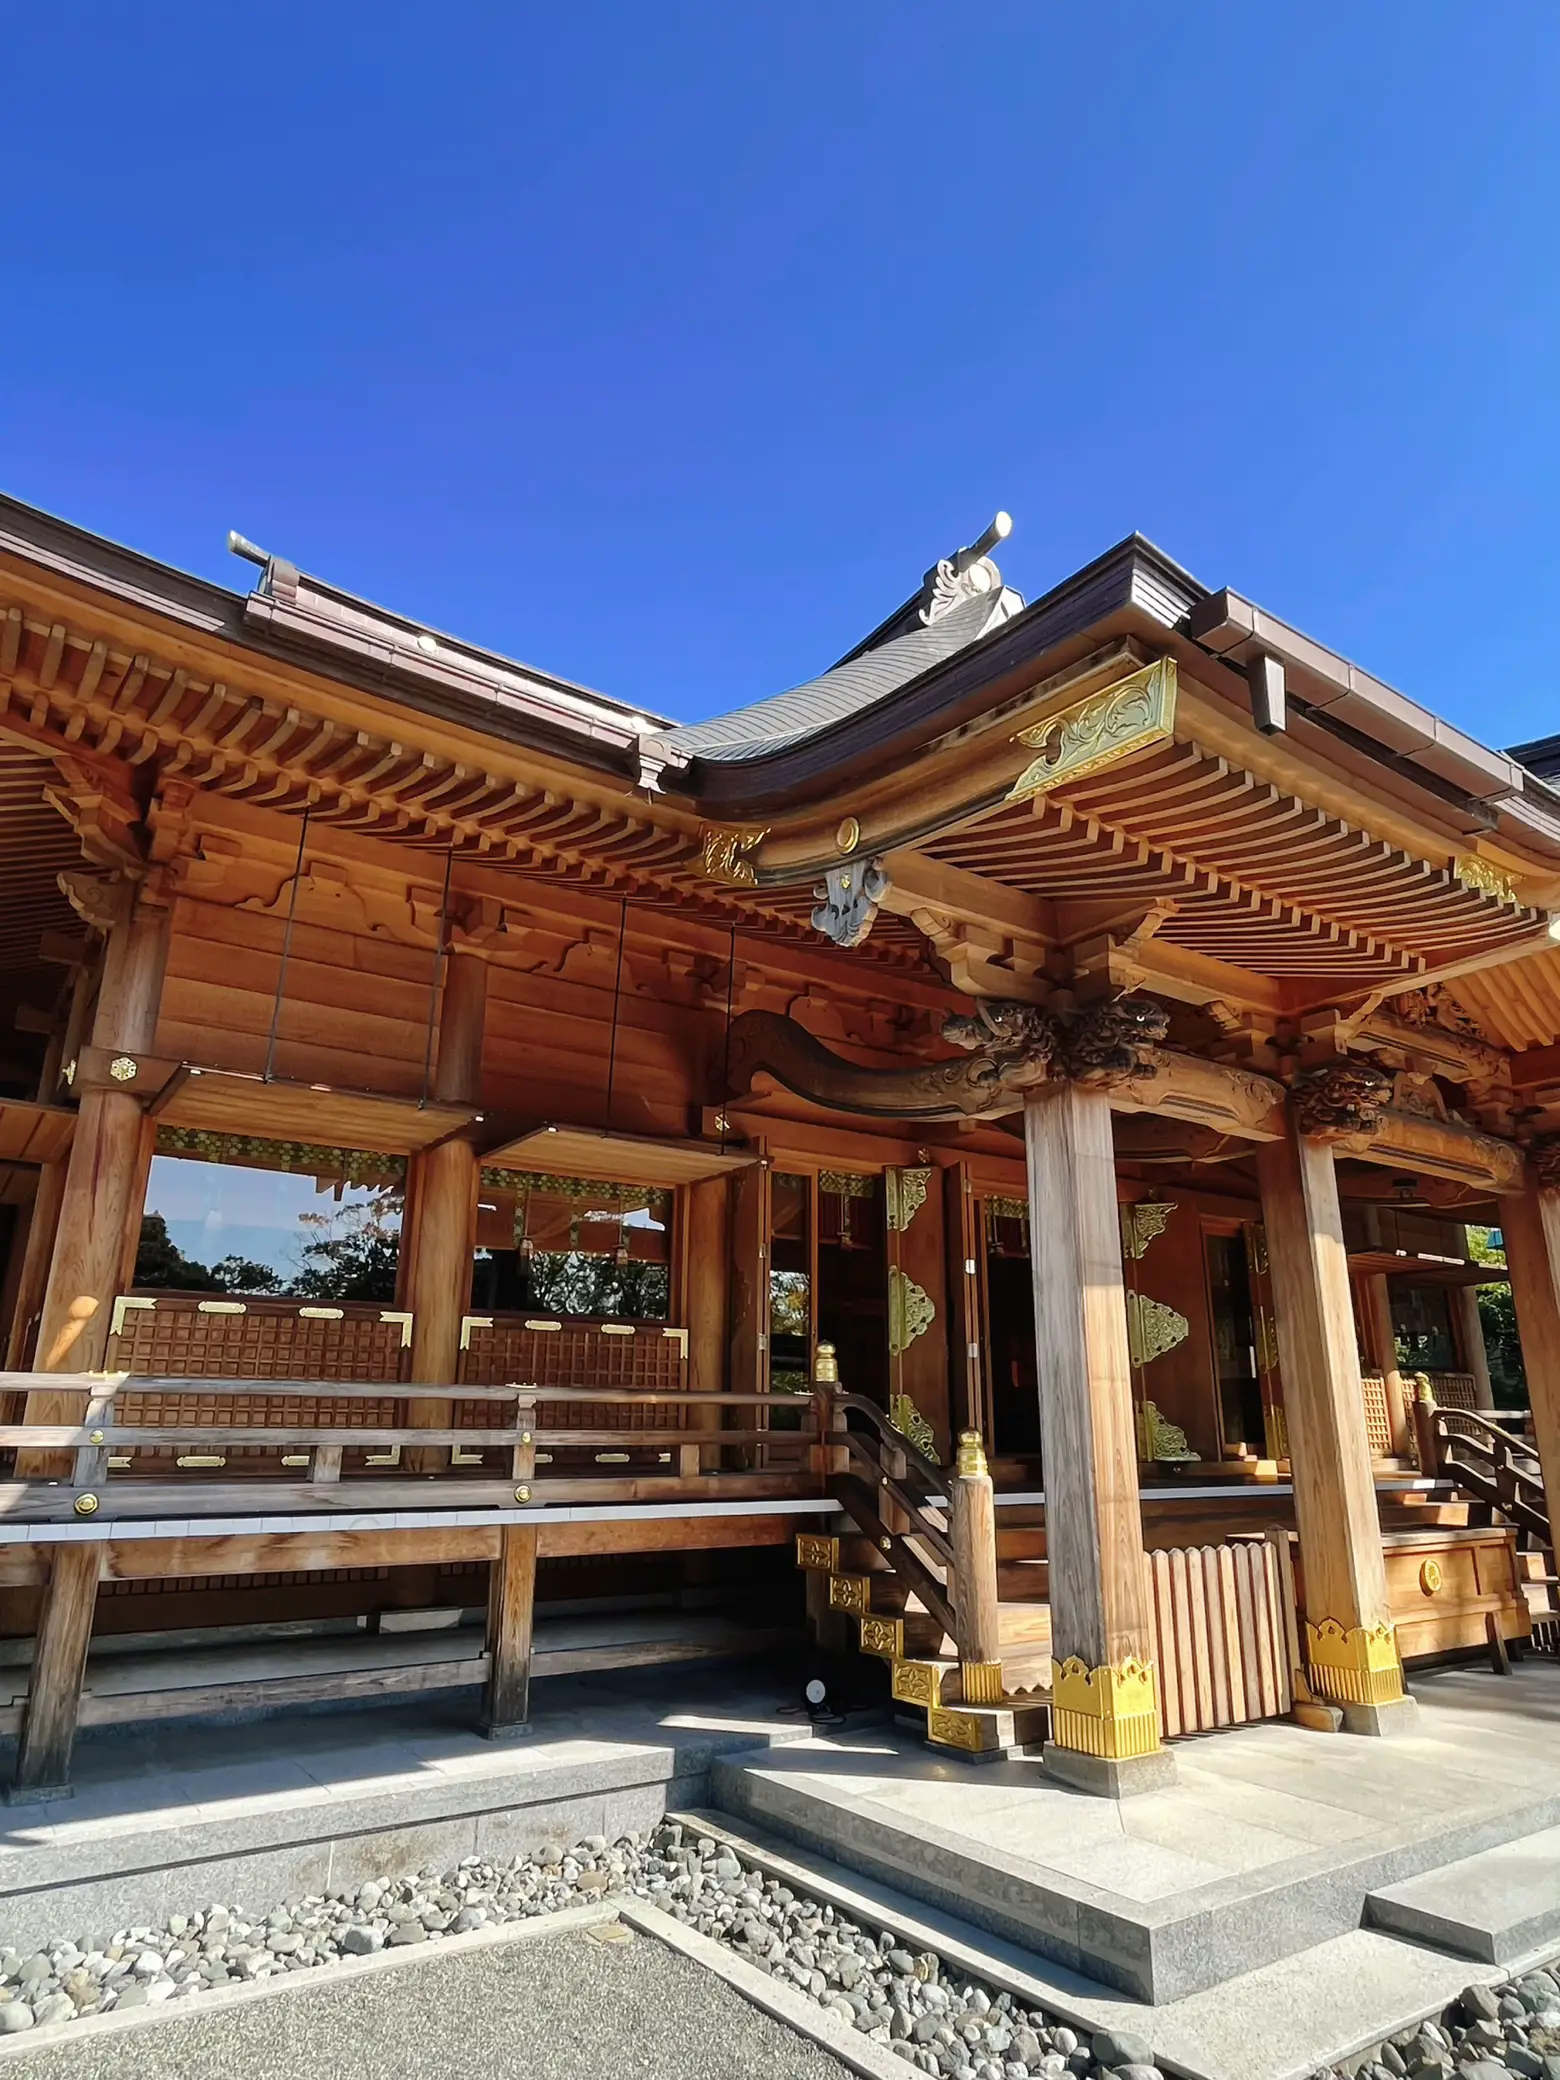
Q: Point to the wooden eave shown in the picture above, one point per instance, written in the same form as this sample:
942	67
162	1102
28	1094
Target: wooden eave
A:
34	1134
591	1152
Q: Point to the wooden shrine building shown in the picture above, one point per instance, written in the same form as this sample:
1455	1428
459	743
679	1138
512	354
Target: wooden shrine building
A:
466	1141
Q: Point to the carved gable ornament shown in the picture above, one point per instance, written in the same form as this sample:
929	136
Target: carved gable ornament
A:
1132	716
847	900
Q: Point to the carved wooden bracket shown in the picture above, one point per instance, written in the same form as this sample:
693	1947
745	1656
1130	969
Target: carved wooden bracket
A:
1339	1100
1544	1159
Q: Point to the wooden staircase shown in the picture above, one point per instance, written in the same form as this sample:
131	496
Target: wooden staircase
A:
964	1628
1496	1478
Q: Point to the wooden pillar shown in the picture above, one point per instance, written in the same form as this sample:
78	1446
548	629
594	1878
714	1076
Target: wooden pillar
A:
1106	1701
1531	1227
42	1229
705	1271
1351	1648
511	1610
440	1216
1381	1349
972	1527
105	1177
1470	1344
59	1664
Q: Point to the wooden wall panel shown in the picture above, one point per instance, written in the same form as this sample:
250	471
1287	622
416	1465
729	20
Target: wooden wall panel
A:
1180	1383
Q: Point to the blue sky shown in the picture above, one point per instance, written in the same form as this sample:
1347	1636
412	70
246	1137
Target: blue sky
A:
665	346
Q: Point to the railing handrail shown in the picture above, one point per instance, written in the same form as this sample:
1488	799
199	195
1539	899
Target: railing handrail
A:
894	1439
104	1385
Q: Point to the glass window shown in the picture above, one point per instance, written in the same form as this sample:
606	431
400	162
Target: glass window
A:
225	1214
571	1246
1422	1327
1235	1344
790	1292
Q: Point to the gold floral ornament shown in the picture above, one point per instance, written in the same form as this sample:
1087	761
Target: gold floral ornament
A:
911	1311
912	1426
1486	880
1153	1328
725	854
1134	715
123	1068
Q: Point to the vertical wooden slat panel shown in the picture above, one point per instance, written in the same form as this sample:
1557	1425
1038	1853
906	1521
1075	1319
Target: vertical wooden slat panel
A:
1164	1628
1249	1620
1277	1691
1218	1623
1197	1586
1233	1652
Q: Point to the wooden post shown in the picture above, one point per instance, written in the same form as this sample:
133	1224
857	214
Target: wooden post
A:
442	1209
511	1609
1381	1349
100	1211
1351	1648
705	1273
1106	1698
1531	1227
38	1250
59	1664
1470	1344
972	1525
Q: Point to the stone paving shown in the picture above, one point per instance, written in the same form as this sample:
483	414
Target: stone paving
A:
562	2009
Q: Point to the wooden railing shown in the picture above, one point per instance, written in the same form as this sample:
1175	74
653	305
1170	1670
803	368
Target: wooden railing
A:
180	1467
892	1492
1480	1455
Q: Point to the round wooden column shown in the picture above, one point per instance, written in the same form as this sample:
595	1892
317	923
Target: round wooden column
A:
1350	1647
1530	1225
441	1207
100	1207
1106	1711
1381	1349
1471	1346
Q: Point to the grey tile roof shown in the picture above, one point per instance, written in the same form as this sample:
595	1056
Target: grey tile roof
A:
785	718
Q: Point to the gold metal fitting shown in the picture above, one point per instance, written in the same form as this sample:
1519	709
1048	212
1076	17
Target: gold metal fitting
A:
95	1437
525	1437
522	1494
85	1505
971	1457
826	1367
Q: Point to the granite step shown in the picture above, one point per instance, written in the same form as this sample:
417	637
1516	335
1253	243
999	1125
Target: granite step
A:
1496	1906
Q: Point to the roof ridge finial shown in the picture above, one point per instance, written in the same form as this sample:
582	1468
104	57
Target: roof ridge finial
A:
967	574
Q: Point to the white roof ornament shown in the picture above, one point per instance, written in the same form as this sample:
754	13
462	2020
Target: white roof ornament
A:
969	574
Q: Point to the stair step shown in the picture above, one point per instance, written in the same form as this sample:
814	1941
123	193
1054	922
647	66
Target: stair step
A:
1023	1581
988	1729
1020	1542
1494	1907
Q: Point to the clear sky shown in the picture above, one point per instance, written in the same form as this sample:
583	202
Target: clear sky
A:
664	346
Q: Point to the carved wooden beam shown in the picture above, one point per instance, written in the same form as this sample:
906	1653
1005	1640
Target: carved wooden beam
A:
1346	1103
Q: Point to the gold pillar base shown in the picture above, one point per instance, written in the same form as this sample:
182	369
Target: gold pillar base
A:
1357	1665
981	1681
1108	1712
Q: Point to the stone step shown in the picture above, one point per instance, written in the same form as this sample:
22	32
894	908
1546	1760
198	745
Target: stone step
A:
1496	1906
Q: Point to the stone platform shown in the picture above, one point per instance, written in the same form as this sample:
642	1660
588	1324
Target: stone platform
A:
1269	1844
171	1819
